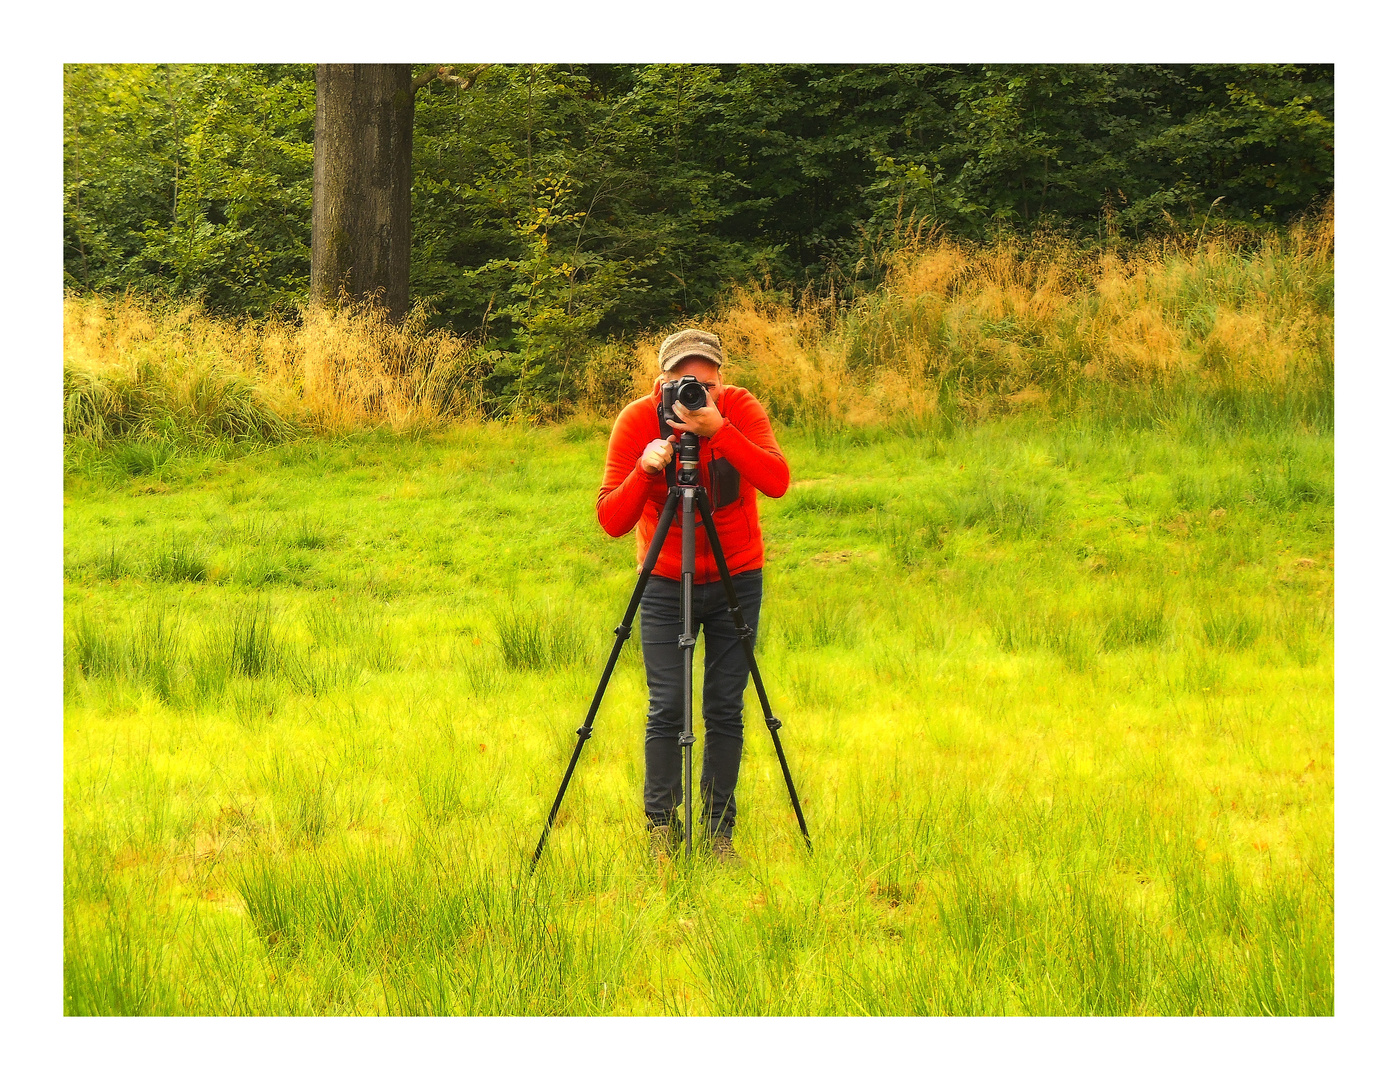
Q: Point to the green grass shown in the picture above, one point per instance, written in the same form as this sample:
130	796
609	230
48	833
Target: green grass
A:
1058	698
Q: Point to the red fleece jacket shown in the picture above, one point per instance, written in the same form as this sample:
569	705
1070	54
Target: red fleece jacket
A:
630	495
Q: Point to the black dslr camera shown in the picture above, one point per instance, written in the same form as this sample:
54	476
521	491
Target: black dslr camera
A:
688	391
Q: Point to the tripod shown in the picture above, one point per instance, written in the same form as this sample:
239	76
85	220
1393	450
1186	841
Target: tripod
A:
685	496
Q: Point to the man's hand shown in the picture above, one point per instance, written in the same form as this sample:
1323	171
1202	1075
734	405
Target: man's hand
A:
703	422
657	455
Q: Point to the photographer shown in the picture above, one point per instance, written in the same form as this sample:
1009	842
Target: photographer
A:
738	457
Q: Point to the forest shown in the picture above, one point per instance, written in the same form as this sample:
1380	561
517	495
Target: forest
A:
553	203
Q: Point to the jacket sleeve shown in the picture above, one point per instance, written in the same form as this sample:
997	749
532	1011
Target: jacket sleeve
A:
747	441
625	485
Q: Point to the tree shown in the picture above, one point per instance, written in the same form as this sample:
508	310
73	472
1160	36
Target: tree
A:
361	210
361	214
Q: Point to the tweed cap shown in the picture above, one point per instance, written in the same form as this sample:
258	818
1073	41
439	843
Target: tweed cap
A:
690	342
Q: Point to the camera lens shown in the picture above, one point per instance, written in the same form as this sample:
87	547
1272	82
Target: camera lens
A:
692	396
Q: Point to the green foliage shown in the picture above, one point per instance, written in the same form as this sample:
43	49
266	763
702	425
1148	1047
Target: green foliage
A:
189	180
555	204
1115	146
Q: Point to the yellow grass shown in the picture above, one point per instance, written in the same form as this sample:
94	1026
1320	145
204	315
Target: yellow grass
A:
955	328
987	329
330	371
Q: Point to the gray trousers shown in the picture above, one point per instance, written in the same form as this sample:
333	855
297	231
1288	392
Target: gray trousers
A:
725	679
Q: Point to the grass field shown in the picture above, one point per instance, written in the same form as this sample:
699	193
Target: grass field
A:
1058	698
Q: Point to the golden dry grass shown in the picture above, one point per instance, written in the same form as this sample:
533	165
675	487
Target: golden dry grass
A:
332	371
985	329
954	329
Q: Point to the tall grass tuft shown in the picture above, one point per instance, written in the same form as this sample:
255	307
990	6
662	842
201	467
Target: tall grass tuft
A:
306	796
1230	628
111	566
93	649
308	533
316	671
439	782
143	371
156	649
1064	633
116	968
150	399
1134	621
539	639
819	622
1005	510
245	643
179	560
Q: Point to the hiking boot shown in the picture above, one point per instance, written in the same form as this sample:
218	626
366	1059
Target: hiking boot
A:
724	853
664	842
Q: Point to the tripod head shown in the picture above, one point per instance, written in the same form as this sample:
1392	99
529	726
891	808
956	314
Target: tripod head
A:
687	460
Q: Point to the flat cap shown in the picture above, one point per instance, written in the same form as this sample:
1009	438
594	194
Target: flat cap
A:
690	342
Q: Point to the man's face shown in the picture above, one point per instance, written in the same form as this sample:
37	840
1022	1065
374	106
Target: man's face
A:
706	371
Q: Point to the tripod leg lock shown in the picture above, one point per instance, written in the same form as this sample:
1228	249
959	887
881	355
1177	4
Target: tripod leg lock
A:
623	631
687	740
773	723
687	641
584	733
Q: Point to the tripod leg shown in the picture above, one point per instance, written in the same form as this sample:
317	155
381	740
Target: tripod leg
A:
687	648
745	631
662	527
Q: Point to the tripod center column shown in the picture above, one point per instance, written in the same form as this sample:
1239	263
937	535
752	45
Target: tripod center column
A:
687	641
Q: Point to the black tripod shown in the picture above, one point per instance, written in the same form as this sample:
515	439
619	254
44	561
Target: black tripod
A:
685	495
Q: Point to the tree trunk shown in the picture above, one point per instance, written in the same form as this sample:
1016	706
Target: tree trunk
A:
361	210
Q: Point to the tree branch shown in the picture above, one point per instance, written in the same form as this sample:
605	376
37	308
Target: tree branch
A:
426	77
445	73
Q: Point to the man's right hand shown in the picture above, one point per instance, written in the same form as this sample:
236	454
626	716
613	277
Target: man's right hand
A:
657	455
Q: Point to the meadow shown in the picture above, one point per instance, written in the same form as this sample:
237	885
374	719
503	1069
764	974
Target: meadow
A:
1057	688
1048	618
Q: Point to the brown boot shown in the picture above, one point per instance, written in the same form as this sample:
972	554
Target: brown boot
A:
664	842
724	853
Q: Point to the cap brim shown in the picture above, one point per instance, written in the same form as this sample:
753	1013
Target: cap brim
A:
692	355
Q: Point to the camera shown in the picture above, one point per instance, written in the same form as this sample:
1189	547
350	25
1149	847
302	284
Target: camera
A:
692	394
688	391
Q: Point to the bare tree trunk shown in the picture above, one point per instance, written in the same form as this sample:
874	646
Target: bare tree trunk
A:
361	215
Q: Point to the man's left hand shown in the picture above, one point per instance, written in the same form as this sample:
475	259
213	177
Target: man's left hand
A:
702	422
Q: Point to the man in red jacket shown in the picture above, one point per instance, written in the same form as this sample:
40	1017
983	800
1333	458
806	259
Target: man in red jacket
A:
738	457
